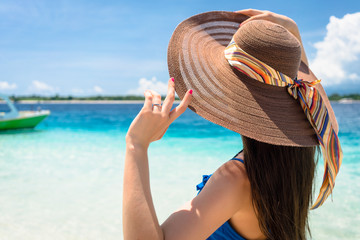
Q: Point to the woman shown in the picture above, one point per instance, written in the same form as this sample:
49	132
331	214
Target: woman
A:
265	192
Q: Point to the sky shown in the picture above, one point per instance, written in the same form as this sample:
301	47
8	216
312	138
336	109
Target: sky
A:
96	47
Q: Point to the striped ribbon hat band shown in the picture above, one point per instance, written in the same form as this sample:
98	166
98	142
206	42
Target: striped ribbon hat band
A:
310	101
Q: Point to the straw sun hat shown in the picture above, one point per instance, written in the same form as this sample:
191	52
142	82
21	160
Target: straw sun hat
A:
251	80
228	97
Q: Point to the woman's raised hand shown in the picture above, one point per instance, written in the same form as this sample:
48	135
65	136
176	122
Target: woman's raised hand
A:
282	20
153	119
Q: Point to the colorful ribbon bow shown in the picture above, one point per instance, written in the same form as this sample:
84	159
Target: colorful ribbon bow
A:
310	101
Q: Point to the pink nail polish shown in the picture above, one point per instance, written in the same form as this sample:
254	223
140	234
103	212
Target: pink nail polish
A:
190	91
172	79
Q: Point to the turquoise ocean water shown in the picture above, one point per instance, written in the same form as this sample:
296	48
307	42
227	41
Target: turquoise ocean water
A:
63	180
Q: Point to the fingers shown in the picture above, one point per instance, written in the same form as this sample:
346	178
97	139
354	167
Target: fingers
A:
170	97
250	12
262	16
148	100
156	100
255	14
180	109
152	97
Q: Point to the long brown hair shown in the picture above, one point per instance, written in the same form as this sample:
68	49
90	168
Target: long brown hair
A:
281	179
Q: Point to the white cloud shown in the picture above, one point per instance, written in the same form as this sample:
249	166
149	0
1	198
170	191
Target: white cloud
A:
7	86
353	76
337	56
153	84
41	87
87	91
98	89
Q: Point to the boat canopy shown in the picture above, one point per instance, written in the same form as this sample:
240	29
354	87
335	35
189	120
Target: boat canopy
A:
13	111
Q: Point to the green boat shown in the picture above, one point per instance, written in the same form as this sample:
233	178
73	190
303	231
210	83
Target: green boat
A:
20	119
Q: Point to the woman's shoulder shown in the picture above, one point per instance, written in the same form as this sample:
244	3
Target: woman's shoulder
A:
232	178
233	172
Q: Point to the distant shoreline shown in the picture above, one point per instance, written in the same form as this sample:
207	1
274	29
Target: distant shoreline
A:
130	99
83	101
346	100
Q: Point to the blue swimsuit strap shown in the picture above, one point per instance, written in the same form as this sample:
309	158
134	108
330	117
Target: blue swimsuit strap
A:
201	185
238	159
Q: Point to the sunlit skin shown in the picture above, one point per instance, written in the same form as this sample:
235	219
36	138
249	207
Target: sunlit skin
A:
227	195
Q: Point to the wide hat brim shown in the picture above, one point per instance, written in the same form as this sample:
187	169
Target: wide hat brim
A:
229	98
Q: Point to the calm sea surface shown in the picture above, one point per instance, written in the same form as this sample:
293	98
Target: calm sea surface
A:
63	180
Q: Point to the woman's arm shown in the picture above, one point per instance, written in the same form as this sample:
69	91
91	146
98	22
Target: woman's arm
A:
227	192
223	196
220	199
139	217
282	20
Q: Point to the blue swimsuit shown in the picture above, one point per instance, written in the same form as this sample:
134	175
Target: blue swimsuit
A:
225	232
